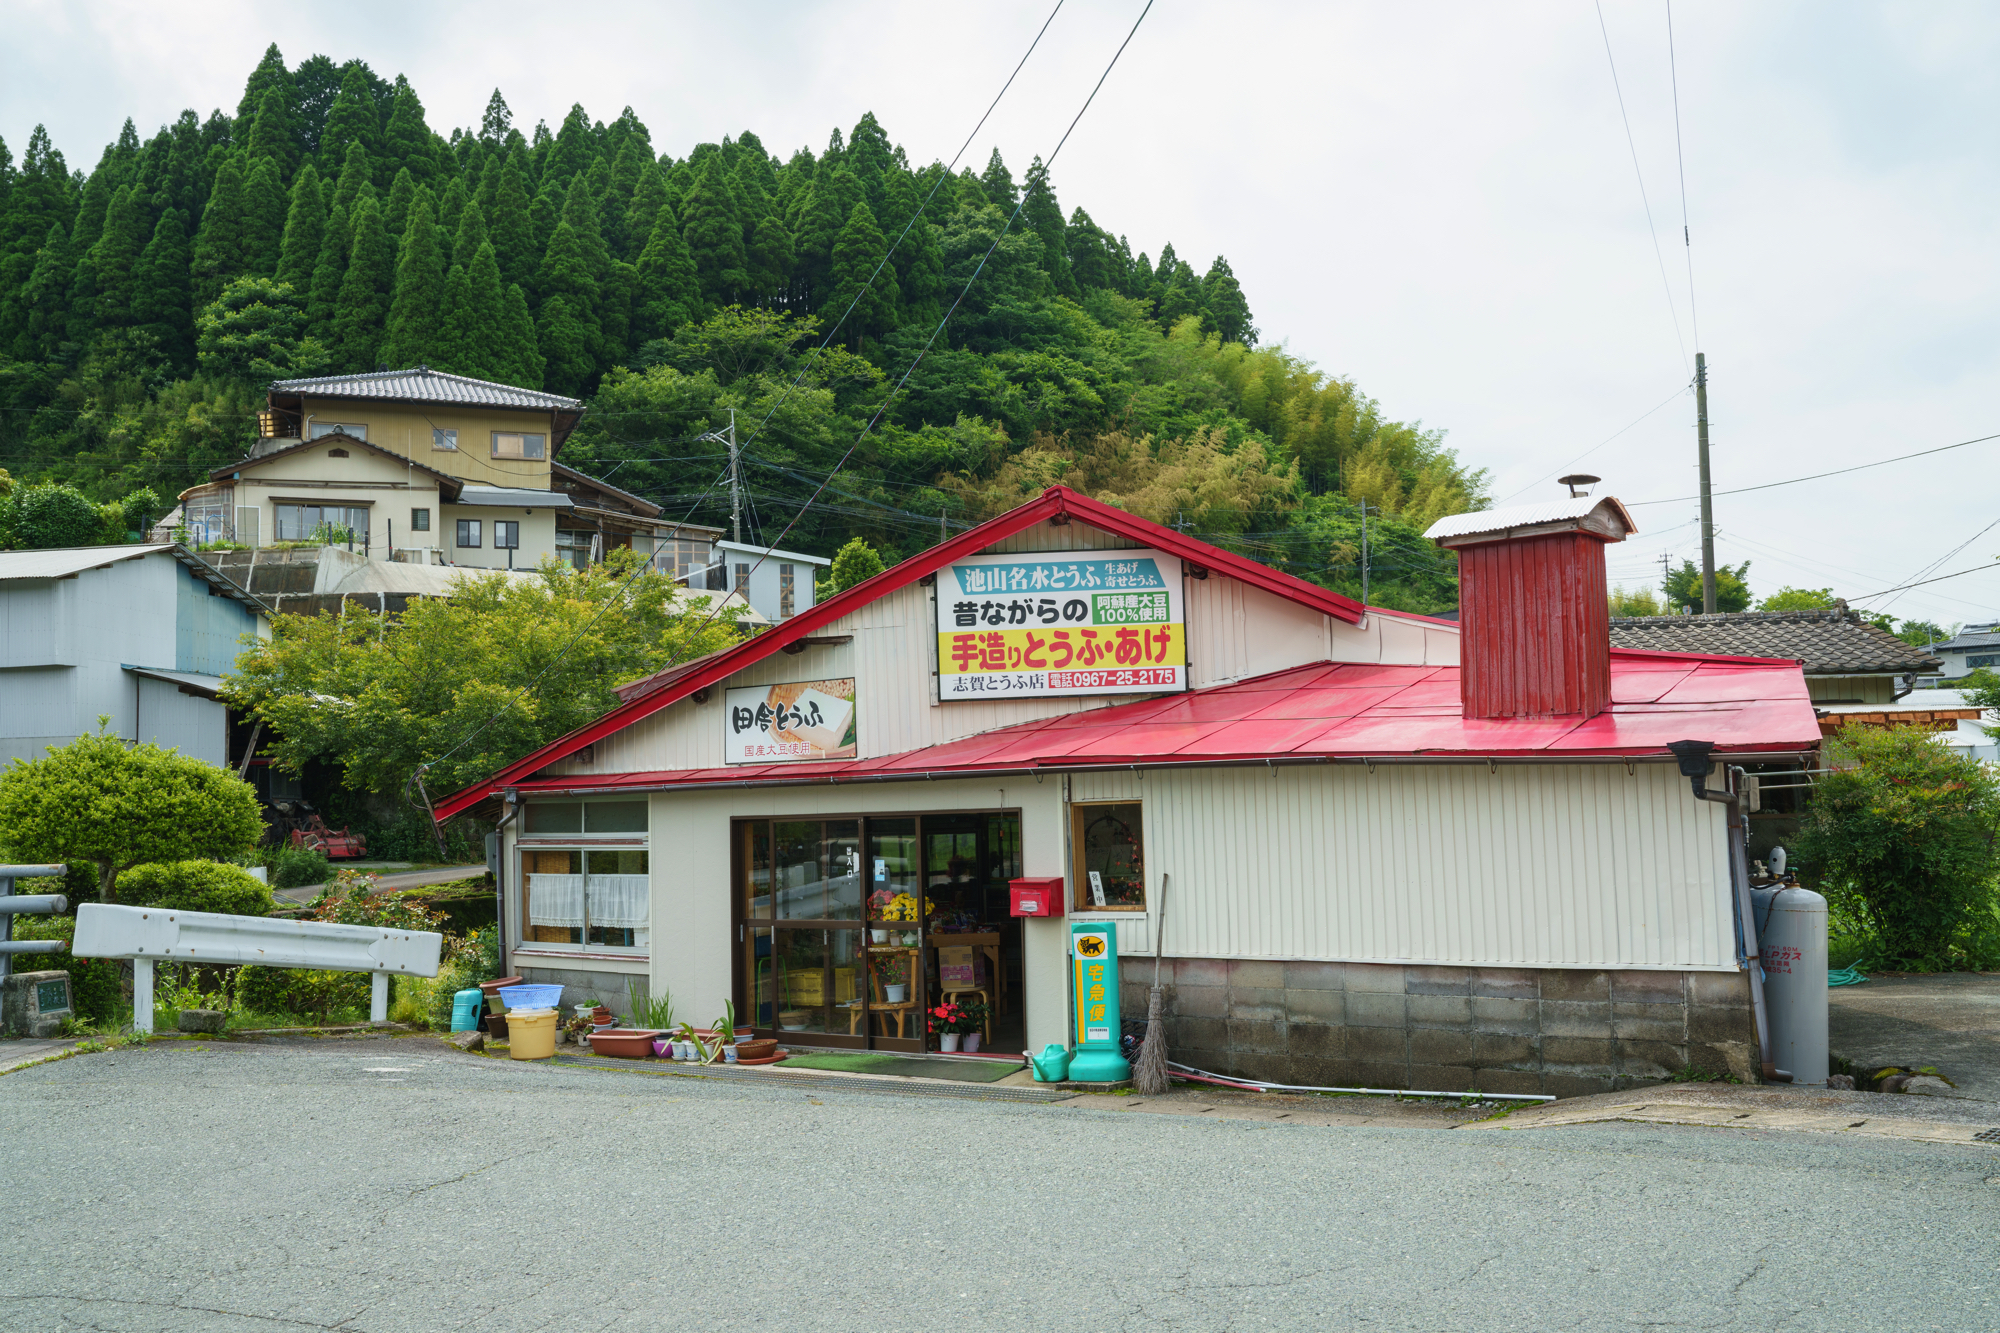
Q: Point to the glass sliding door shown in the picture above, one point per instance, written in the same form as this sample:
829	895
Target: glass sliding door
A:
800	899
839	921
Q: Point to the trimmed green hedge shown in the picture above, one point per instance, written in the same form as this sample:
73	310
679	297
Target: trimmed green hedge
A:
195	886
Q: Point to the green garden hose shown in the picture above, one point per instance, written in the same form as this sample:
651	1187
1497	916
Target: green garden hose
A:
1846	976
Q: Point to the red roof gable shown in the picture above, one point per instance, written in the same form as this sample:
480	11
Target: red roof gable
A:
645	697
1330	711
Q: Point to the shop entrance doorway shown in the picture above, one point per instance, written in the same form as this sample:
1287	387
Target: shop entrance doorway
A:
852	931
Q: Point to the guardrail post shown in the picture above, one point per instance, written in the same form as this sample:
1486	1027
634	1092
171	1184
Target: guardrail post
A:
378	998
142	995
41	904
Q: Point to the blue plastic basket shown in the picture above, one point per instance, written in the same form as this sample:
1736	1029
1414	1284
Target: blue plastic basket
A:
530	997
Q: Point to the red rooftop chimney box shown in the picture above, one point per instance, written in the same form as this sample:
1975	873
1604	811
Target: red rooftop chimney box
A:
1534	632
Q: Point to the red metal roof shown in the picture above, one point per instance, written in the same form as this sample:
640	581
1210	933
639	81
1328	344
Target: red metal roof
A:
648	696
1332	711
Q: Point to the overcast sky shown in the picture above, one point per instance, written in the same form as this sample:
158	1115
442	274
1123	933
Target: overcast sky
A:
1435	200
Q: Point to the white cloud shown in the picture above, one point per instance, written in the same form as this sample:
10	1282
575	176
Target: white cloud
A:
1436	200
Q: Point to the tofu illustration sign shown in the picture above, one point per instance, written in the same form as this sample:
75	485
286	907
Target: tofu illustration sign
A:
794	723
1093	949
1061	623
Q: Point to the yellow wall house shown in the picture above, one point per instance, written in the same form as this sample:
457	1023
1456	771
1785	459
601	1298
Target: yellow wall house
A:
437	468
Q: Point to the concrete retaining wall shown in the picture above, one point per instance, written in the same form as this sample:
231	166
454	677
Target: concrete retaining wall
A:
1552	1030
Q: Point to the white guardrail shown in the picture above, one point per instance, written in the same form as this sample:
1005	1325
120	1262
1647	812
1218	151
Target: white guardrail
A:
147	935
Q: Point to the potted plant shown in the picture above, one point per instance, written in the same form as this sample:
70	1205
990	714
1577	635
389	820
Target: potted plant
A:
947	1020
972	1018
895	978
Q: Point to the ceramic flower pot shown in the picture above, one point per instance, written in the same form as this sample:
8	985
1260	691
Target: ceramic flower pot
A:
948	1042
879	936
971	1042
896	994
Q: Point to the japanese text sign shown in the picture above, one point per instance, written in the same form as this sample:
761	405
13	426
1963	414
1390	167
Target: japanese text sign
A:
1093	948
799	722
1056	623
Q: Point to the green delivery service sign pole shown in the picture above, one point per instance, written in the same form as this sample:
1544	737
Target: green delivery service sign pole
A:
1093	951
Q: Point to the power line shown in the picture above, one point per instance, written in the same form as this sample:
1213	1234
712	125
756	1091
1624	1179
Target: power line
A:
417	774
914	218
1981	569
924	351
1601	443
1837	472
1680	161
1632	144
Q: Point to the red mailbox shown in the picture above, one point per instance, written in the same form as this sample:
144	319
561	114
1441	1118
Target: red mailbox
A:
1036	897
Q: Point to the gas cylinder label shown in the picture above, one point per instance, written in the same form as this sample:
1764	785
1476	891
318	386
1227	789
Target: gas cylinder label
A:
1780	957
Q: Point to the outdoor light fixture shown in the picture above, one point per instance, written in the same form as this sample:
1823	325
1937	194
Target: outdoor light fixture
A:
1576	479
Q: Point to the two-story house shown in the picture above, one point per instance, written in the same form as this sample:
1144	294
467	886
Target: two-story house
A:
423	467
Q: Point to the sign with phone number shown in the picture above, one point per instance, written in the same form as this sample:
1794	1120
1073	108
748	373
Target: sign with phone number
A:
1061	623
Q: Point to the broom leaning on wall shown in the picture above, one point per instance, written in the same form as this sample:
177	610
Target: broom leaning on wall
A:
1149	1076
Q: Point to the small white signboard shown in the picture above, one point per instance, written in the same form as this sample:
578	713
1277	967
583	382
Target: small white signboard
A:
794	723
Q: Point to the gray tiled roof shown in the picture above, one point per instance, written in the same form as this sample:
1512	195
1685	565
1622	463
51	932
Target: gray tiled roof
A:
424	385
1828	642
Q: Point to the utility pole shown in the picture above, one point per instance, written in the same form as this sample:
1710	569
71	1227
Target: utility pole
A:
1707	504
736	480
1364	552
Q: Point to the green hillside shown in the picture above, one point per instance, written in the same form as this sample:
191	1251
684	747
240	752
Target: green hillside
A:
324	227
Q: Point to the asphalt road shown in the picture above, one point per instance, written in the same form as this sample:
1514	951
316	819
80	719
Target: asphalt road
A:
394	1185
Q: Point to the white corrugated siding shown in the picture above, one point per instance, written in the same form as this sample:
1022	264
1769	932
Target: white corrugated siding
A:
1579	865
1234	631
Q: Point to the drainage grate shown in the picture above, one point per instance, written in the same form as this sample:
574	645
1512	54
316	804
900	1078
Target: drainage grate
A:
1988	1136
826	1082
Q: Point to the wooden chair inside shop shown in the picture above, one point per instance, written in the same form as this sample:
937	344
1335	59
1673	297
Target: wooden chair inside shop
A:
880	1007
951	996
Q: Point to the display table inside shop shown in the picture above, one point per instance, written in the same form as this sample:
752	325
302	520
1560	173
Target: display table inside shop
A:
987	943
879	955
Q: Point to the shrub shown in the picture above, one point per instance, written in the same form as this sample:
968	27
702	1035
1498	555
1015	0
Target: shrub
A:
1902	837
195	886
292	867
468	962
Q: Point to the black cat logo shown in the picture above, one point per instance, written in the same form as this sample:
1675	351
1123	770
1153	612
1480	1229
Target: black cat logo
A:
1090	946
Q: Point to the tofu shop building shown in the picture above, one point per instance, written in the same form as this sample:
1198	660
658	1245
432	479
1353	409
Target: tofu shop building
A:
913	792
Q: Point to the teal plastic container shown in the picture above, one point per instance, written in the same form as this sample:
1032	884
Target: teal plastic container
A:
1052	1065
465	1006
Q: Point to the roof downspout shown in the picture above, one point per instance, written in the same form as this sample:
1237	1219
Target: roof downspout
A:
1694	761
499	869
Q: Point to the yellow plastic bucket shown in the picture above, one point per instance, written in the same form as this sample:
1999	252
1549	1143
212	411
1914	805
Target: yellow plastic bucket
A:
531	1033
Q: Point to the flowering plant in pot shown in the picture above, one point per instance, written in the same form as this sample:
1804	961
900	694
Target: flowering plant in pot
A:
952	1020
895	974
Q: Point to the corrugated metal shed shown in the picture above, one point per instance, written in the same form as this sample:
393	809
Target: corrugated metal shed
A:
69	561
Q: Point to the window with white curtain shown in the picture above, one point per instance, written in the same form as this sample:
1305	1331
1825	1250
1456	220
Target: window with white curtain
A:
600	897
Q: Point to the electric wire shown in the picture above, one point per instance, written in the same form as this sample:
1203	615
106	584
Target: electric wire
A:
1680	162
417	774
922	352
1817	476
914	218
1672	306
1600	444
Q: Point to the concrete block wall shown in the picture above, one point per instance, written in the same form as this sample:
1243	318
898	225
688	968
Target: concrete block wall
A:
609	989
1550	1030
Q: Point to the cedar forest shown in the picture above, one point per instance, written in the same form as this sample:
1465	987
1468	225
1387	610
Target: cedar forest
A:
325	228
